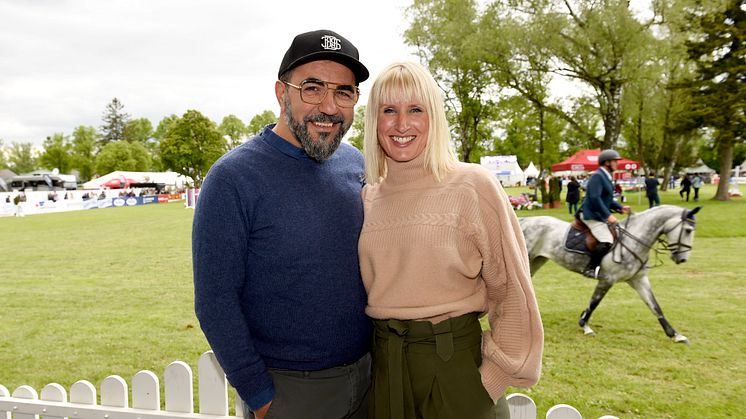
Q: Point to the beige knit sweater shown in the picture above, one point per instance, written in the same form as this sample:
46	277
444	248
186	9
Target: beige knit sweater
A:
435	250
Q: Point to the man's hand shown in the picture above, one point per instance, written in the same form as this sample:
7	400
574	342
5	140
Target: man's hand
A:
262	412
611	219
626	209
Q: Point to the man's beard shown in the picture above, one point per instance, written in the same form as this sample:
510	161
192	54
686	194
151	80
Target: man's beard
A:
323	147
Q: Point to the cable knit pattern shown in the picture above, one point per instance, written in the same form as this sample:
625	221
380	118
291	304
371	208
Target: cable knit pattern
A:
432	251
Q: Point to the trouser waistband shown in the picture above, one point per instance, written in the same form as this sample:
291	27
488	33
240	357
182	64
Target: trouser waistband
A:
332	372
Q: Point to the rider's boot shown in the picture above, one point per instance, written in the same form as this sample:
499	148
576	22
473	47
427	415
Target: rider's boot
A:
594	266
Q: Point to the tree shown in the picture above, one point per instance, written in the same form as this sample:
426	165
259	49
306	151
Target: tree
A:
259	121
56	153
357	133
84	151
191	146
154	144
115	120
719	88
525	136
234	129
448	41
122	155
599	44
164	125
138	130
520	62
21	158
3	159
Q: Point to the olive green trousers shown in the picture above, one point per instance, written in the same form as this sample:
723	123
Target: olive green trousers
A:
430	371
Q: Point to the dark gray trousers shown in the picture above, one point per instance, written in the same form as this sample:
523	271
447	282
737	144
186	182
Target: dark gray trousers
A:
334	393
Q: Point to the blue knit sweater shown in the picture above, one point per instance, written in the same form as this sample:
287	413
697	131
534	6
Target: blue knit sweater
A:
276	275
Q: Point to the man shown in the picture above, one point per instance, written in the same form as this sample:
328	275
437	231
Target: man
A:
696	184
276	276
651	190
686	186
596	209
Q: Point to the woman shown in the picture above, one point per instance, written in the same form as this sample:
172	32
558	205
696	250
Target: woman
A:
440	246
573	195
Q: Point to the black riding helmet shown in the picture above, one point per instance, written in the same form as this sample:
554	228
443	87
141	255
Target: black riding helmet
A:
607	155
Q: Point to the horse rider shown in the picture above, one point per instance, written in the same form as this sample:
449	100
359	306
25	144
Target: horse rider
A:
597	207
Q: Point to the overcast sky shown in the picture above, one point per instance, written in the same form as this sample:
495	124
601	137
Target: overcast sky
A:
62	61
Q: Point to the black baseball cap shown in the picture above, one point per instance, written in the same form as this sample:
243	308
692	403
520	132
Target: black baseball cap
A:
323	45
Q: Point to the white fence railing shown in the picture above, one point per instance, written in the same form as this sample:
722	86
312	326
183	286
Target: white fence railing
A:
114	402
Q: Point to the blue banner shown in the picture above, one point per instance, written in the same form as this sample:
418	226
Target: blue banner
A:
122	201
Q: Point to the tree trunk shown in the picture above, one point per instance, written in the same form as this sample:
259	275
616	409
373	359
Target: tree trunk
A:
725	151
465	146
668	141
640	151
541	139
612	117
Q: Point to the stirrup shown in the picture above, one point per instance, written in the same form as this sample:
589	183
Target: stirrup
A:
594	273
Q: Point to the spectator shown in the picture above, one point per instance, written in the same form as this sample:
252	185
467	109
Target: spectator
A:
573	195
651	190
686	186
696	184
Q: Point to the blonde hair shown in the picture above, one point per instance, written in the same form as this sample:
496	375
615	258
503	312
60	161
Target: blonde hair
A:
407	82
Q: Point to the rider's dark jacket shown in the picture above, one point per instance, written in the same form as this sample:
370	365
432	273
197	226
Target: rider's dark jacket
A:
599	197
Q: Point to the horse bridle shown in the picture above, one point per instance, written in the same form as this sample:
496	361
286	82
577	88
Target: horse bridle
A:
678	245
675	248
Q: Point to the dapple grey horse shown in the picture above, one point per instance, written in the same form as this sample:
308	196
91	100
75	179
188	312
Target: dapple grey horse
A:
627	261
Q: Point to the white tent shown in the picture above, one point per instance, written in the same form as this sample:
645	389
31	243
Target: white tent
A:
506	169
170	179
700	167
531	171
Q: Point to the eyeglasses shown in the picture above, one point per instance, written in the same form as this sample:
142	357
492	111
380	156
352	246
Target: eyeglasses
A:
313	92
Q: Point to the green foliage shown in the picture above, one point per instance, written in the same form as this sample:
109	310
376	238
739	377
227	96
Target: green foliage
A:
115	121
603	46
138	130
164	125
718	90
154	145
259	121
84	151
56	153
21	158
233	128
122	155
191	145
529	133
447	36
3	159
357	133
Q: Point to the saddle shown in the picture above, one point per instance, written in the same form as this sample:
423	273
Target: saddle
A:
579	238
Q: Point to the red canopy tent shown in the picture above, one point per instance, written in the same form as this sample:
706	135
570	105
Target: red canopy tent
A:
587	160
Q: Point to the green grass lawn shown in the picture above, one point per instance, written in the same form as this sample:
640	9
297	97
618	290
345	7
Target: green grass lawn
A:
88	294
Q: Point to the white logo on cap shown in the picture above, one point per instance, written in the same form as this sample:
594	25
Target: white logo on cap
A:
331	42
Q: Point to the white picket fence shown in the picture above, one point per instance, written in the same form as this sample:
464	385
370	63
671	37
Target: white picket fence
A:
53	402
